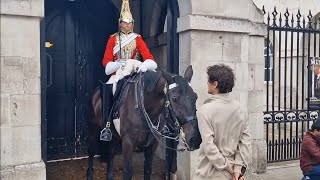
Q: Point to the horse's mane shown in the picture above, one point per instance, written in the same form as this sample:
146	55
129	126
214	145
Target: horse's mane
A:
150	80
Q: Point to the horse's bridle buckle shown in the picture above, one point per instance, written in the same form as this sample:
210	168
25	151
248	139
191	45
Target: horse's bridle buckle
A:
177	124
108	125
167	103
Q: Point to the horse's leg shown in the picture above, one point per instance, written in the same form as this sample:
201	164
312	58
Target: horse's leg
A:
173	168
92	141
127	149
169	158
90	164
110	155
148	157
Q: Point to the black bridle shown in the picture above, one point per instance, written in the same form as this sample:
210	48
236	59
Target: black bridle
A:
178	130
172	114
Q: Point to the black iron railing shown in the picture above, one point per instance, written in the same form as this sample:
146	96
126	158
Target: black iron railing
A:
292	48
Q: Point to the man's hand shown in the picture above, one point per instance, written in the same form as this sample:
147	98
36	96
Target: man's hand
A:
236	176
230	166
147	65
142	68
111	67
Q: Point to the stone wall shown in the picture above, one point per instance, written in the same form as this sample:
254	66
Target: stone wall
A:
20	90
229	32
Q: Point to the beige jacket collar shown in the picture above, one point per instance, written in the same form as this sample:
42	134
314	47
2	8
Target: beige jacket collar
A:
222	96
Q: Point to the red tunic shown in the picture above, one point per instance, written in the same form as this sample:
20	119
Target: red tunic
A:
310	152
141	48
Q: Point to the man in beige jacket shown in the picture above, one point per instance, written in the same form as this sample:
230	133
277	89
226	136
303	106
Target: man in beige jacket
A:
223	125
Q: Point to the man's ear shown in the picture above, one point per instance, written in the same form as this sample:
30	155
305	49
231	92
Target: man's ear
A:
215	84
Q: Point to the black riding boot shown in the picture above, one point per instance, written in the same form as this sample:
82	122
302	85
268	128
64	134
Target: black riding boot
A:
107	102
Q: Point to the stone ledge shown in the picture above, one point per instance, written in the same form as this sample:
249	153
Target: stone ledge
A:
35	171
23	7
211	23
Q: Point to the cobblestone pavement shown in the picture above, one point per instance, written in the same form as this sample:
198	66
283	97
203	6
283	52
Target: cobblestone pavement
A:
281	171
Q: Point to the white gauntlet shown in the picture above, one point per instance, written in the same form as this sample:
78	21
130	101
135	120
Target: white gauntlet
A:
148	65
112	67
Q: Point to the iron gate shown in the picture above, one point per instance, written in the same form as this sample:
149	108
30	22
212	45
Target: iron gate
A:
292	51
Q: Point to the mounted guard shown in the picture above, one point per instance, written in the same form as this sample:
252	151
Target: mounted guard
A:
123	50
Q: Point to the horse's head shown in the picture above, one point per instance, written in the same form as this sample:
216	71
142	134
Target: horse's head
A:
182	105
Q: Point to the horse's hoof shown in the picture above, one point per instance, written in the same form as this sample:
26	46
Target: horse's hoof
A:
148	177
109	177
173	176
90	177
167	176
90	174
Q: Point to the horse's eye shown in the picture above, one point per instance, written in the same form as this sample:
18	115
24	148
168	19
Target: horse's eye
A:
174	99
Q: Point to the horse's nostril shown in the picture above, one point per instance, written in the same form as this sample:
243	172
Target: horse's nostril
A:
194	142
191	141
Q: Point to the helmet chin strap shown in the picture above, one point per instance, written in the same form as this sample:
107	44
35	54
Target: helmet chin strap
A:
128	32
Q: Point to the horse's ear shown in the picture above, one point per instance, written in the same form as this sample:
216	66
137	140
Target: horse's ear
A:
168	77
188	73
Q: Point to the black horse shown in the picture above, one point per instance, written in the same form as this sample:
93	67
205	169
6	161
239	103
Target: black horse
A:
148	96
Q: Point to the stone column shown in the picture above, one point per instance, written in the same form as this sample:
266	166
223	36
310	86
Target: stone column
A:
229	32
20	90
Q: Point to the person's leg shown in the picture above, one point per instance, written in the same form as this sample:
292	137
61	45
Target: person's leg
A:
314	174
107	102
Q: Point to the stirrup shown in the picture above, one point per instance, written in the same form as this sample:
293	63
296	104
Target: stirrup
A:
106	134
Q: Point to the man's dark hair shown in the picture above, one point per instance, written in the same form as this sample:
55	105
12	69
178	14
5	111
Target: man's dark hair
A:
316	125
224	75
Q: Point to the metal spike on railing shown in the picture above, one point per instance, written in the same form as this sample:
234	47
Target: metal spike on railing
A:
298	19
310	20
263	10
274	13
292	20
315	23
304	22
286	15
280	20
268	19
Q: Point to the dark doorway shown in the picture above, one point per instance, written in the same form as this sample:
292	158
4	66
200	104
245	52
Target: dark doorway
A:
78	32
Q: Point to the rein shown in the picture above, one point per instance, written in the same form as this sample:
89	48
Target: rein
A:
155	128
123	93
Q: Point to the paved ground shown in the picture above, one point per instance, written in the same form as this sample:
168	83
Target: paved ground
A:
281	171
76	170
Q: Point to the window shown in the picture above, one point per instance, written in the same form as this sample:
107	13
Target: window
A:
268	61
